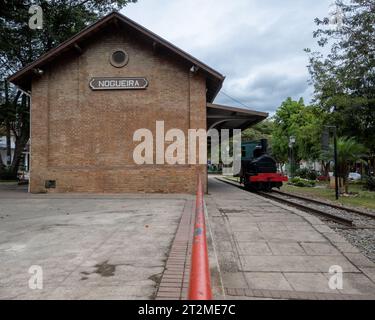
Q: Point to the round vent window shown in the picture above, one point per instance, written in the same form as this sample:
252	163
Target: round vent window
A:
119	58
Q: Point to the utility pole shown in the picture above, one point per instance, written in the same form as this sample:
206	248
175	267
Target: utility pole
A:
292	141
336	162
325	142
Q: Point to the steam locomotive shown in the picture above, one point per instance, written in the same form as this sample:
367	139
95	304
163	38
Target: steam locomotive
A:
259	169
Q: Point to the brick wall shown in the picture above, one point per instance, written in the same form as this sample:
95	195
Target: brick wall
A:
83	139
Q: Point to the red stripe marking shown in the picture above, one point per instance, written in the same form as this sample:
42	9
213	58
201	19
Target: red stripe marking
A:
200	280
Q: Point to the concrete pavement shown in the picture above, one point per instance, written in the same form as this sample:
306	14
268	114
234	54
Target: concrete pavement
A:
88	246
268	250
118	247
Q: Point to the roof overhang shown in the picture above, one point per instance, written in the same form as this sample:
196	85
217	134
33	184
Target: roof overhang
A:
23	77
225	117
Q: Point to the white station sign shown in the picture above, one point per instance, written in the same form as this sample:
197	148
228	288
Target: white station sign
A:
104	83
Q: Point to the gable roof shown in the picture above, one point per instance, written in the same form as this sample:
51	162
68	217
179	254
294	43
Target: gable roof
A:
23	77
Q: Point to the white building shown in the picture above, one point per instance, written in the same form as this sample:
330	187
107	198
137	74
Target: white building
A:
3	148
3	152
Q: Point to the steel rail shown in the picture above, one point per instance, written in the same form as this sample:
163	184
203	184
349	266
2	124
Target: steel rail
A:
335	206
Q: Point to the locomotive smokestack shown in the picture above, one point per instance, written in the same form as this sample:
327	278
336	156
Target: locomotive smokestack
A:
264	144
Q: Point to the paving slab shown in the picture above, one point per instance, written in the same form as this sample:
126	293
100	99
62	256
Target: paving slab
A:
288	263
286	248
309	282
254	248
319	249
233	279
88	246
281	252
267	280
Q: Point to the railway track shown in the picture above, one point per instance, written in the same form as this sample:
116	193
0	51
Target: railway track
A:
342	215
335	206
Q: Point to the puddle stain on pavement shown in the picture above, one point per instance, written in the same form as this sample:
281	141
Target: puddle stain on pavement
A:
104	269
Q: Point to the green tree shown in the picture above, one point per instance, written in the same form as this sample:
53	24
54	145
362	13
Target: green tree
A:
307	127
262	130
349	151
305	123
279	145
344	79
283	128
20	45
14	120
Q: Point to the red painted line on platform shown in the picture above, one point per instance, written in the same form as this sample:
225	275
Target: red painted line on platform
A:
200	280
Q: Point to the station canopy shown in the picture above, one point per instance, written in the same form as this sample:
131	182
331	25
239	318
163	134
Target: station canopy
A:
226	117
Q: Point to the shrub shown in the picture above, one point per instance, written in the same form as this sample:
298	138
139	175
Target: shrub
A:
300	182
295	180
302	172
306	173
312	175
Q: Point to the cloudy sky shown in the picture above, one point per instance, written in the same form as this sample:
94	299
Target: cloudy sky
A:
257	44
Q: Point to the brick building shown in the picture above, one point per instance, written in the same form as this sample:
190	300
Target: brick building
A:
92	92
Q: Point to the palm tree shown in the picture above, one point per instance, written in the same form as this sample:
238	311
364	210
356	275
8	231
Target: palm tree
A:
348	151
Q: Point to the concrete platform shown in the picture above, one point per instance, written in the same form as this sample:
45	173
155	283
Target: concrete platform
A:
89	246
268	250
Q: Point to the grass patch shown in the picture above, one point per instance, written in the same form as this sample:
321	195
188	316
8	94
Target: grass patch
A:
364	198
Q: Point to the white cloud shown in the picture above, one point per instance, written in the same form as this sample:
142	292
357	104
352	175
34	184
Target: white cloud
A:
257	44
